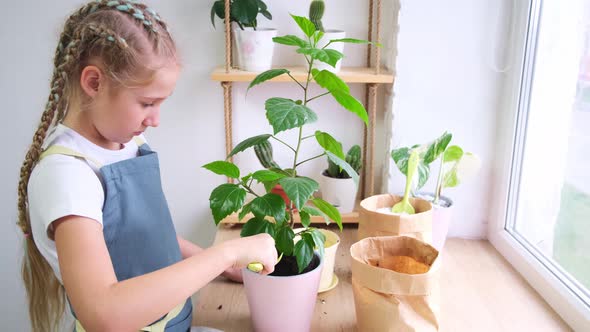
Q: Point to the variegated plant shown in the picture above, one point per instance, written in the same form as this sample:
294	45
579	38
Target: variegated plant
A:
455	164
270	213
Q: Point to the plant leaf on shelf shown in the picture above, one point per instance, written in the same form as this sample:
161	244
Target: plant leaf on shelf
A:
284	114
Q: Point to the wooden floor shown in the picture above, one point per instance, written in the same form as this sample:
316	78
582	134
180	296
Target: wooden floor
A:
480	292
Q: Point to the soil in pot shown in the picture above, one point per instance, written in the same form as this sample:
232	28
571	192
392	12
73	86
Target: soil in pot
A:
288	266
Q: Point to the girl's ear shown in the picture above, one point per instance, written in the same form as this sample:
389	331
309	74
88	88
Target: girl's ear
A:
91	79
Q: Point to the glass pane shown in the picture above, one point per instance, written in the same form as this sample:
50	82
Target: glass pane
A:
552	203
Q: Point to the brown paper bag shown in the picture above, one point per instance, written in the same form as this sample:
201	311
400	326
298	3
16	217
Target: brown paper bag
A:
373	223
386	300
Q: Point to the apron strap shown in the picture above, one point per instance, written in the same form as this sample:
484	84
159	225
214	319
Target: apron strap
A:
156	327
58	149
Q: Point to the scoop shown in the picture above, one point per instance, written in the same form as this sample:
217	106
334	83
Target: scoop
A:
257	267
404	206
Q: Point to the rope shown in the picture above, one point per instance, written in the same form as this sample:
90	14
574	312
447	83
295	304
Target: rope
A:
227	38
378	37
370	33
227	106
372	122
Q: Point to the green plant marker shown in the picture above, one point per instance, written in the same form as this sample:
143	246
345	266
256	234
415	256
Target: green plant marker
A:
257	267
404	206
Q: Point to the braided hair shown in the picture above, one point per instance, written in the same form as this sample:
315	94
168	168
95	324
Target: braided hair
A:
121	36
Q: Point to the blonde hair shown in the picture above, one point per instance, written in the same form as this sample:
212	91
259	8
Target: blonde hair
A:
122	36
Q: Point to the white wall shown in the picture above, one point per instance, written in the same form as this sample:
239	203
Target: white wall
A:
446	55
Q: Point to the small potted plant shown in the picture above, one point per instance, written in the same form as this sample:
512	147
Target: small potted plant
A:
338	187
294	284
254	44
455	166
393	215
316	13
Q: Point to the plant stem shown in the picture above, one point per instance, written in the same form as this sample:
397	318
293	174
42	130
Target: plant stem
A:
306	160
287	145
296	81
247	187
298	146
306	137
323	94
438	189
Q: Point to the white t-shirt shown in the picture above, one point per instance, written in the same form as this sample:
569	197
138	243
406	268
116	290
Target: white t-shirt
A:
63	185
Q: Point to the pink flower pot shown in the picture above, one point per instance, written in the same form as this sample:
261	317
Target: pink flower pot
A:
282	303
441	220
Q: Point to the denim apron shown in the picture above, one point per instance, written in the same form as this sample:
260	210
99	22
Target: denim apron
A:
137	225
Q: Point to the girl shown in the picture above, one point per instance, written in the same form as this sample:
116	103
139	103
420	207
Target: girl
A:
90	204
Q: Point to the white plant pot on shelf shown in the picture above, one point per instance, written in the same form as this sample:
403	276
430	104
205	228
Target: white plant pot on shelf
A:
339	192
331	34
254	48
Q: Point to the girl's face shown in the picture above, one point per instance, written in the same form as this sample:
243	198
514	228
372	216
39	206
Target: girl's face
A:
121	112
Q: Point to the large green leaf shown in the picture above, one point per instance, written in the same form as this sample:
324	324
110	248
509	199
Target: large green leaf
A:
284	240
267	175
400	157
344	165
350	103
315	212
318	238
291	40
269	205
354	41
329	81
225	200
305	24
437	147
257	226
244	11
299	189
304	251
267	75
457	170
218	9
224	168
244	211
305	218
329	143
248	143
453	153
328	56
284	114
329	210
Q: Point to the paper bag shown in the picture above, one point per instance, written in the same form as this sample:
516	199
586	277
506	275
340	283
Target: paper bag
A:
386	300
373	223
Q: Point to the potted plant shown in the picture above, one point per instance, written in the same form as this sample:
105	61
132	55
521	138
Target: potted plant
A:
455	166
294	284
316	13
253	43
389	214
338	187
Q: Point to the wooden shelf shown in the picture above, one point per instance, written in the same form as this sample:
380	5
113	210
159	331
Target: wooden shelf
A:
349	75
347	218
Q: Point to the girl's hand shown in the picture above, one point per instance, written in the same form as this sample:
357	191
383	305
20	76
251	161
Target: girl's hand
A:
258	248
233	274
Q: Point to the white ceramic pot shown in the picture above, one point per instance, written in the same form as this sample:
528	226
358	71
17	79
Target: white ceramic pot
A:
328	279
254	48
339	192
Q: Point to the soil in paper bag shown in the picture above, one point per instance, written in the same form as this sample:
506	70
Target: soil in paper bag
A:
401	264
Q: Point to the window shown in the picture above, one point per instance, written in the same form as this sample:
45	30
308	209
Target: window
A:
544	229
